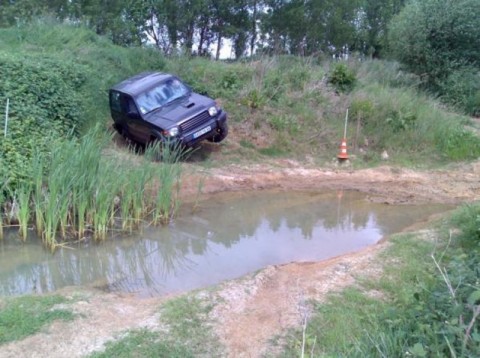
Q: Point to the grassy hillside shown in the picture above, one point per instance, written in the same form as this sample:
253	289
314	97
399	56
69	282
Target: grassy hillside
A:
96	62
278	106
56	78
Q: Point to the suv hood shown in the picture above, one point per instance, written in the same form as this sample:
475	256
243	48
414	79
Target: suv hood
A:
179	110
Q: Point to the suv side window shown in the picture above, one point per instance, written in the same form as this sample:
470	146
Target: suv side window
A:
128	105
115	101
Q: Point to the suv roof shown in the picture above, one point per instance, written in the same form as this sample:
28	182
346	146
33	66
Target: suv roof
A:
141	82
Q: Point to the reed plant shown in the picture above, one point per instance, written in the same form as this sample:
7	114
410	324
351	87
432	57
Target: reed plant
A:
139	179
22	197
81	201
37	192
168	175
51	219
83	190
103	207
126	205
2	201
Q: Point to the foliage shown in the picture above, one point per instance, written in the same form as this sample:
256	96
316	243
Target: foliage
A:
188	334
468	220
436	39
76	192
56	78
310	27
388	74
195	27
462	89
374	21
426	307
403	120
187	320
458	143
217	80
342	77
43	107
143	344
26	315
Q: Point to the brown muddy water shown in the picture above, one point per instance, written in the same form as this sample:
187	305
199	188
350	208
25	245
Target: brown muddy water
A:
228	236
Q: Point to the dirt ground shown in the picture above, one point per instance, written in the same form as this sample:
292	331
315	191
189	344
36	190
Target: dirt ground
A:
253	309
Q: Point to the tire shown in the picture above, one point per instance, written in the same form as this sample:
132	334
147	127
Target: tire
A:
117	128
217	138
121	130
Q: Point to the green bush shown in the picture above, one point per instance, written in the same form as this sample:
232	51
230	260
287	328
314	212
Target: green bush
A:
400	121
457	143
342	78
462	89
44	108
432	38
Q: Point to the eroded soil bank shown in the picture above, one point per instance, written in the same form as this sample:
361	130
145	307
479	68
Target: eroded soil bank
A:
251	310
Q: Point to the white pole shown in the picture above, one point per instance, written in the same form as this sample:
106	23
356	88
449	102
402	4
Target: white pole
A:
345	131
6	118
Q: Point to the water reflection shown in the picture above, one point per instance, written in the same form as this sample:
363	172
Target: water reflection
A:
226	237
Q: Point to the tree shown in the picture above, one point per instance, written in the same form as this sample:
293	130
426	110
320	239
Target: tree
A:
375	17
433	37
13	11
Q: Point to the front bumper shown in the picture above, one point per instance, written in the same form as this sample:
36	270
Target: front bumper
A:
207	130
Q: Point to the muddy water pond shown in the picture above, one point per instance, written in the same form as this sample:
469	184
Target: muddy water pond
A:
228	236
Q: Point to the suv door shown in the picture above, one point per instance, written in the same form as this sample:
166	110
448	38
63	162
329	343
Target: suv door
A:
138	129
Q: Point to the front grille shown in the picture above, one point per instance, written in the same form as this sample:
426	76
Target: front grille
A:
195	122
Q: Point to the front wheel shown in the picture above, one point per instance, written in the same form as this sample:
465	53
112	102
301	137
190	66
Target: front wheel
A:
218	137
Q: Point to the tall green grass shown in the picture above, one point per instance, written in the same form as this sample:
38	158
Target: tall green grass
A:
395	116
2	203
79	192
169	174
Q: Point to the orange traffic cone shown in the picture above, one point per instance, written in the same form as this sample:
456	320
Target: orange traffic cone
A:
342	155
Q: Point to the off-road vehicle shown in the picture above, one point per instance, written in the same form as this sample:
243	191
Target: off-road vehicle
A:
155	106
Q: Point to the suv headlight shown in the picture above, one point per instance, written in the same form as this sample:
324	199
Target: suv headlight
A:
172	132
213	111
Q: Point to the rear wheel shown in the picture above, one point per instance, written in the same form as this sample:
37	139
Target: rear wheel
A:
121	130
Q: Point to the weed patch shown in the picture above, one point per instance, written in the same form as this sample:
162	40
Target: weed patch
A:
23	316
186	318
142	344
189	334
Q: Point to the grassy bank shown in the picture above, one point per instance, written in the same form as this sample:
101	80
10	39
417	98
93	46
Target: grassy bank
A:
188	333
23	316
426	304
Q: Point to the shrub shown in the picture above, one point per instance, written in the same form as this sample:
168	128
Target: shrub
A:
457	143
342	78
44	107
432	38
462	89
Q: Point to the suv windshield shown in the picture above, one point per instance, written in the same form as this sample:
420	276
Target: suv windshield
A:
161	95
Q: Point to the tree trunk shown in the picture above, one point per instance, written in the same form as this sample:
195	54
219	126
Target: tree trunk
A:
253	38
219	46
